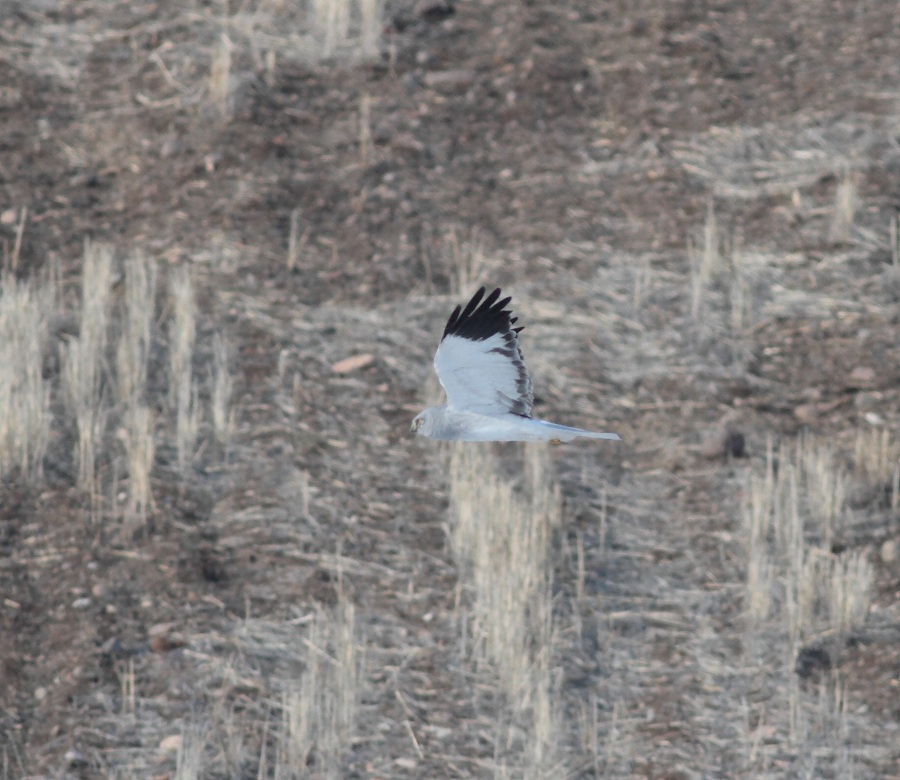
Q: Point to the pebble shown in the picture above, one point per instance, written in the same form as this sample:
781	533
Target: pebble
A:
807	413
722	442
171	744
352	363
74	758
862	376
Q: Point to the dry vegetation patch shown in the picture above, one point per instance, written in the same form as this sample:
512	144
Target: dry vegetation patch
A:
230	235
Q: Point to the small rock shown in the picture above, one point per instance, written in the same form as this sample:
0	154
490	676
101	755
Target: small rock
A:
812	660
114	647
713	444
723	442
9	217
435	10
160	629
449	79
81	603
170	147
862	376
860	494
440	732
735	444
888	551
808	414
407	142
74	758
866	400
171	744
352	363
166	644
164	638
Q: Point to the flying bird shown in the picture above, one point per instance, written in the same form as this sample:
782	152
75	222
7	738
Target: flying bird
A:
489	393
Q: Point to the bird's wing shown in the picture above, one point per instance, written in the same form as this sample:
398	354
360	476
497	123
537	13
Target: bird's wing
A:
479	362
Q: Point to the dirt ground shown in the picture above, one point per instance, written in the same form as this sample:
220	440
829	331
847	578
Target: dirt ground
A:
581	148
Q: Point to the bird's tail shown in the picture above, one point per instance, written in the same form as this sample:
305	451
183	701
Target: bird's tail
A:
566	433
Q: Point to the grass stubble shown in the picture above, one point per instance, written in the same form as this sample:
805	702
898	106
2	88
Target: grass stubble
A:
25	413
102	394
101	390
222	412
319	711
107	400
501	540
797	590
801	598
133	355
83	359
183	388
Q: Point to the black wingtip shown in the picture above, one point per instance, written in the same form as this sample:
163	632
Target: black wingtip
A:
482	317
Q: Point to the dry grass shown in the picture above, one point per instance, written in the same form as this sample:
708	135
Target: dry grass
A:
189	762
220	79
140	449
296	241
705	261
849	593
83	361
13	260
877	462
25	418
630	661
802	598
741	162
722	279
343	26
222	389
501	538
468	263
894	240
365	130
135	339
183	390
791	514
846	203
757	516
136	321
319	711
337	30
740	295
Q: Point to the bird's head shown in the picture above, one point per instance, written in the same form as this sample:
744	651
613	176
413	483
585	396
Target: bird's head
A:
423	424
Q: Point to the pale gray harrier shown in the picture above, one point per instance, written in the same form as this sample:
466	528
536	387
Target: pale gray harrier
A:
489	396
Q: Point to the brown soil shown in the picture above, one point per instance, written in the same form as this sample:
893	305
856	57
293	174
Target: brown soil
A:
580	144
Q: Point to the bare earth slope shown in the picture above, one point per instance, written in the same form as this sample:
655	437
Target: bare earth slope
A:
691	204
